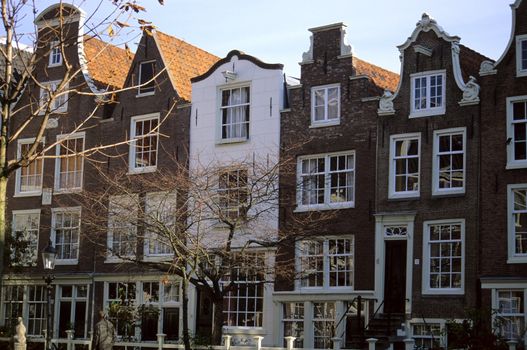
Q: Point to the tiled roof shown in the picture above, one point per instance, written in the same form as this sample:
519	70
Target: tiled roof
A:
107	64
183	61
380	76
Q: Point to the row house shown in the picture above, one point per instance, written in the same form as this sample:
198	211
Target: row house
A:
503	183
327	190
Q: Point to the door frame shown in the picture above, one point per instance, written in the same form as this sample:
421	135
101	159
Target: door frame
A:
382	221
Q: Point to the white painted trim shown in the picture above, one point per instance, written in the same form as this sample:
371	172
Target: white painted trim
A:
436	191
56	181
519	71
326	121
327	205
381	221
131	149
513	258
426	289
427	111
392	194
78	209
511	162
18	174
40	22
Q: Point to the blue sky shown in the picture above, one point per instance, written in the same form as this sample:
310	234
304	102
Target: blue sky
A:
276	31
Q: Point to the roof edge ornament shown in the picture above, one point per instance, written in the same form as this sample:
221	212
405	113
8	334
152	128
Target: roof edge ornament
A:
425	24
307	57
471	88
386	104
345	48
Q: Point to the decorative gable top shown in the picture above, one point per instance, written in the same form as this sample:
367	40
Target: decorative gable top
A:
183	61
426	24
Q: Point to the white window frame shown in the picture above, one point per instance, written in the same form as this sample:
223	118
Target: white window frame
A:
326	121
392	193
325	263
53	48
61	100
436	190
132	169
327	205
73	301
232	203
18	177
54	211
58	159
519	71
25	302
426	289
147	93
513	258
506	286
427	111
14	213
153	202
442	323
219	132
511	162
119	201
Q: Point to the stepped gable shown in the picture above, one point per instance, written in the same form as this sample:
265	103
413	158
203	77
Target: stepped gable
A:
183	61
380	76
108	65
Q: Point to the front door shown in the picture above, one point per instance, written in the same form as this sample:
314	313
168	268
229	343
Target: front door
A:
395	276
204	315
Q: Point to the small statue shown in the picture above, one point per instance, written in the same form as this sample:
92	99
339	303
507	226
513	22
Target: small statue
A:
21	332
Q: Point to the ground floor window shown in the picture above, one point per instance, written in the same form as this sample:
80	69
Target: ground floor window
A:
143	309
510	313
314	324
73	310
426	335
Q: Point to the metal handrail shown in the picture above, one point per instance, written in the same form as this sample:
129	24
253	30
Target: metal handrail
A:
374	314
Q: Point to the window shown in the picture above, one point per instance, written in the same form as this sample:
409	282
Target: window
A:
510	316
161	209
147	83
13	306
293	322
57	101
122	225
234	111
29	178
325	105
521	55
25	234
517	132
55	54
73	310
69	164
65	233
326	181
37	302
232	193
143	145
404	165
159	300
443	249
449	161
428	94
323	325
243	304
517	223
326	263
28	302
426	335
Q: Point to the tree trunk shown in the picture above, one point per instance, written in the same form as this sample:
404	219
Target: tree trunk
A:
186	335
217	322
3	223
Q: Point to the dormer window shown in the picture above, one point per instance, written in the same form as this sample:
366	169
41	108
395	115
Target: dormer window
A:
146	78
325	105
55	54
521	55
428	94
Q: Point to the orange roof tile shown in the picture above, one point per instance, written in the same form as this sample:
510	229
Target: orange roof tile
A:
183	61
380	76
107	64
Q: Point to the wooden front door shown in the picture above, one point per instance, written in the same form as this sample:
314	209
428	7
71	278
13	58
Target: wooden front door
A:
395	277
204	315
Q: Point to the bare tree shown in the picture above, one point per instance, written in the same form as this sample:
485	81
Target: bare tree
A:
28	105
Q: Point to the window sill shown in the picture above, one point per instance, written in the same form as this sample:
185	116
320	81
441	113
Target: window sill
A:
448	193
320	207
521	73
404	195
155	258
27	194
139	95
516	165
67	190
233	140
67	262
135	171
54	65
324	290
256	330
517	259
440	292
427	113
315	125
116	260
